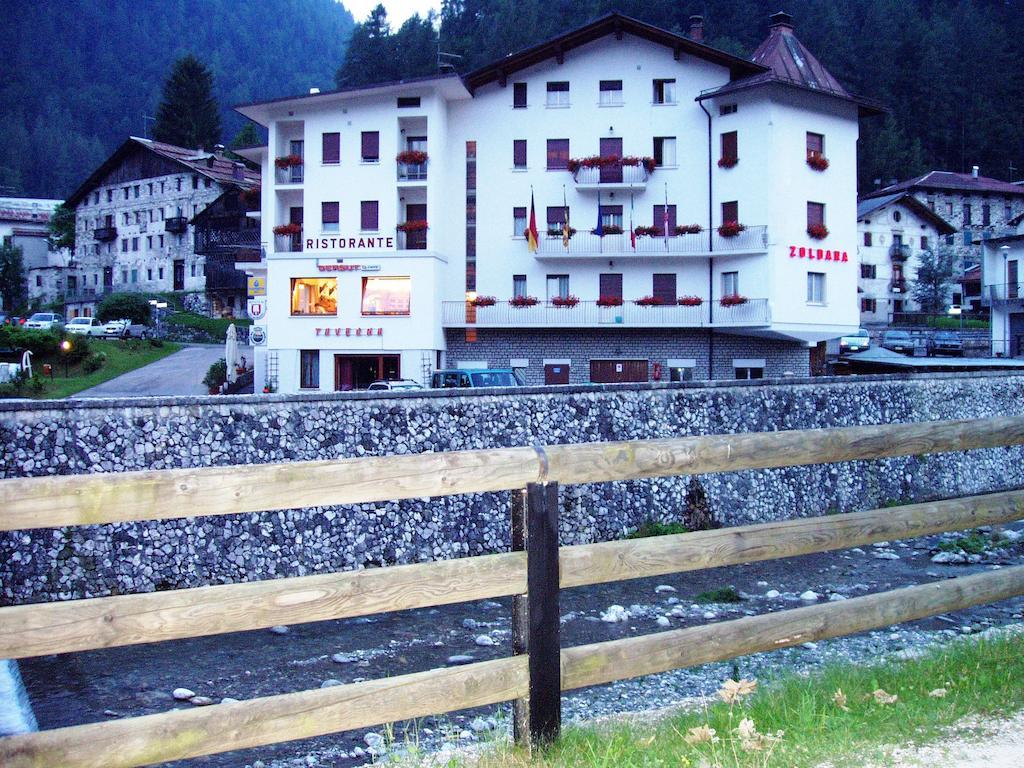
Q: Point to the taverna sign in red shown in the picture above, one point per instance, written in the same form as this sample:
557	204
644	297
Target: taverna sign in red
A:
816	254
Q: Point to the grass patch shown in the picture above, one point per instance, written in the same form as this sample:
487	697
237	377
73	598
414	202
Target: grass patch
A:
121	357
720	595
652	528
974	543
215	326
977	676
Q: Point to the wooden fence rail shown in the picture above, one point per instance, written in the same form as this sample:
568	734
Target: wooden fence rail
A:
541	669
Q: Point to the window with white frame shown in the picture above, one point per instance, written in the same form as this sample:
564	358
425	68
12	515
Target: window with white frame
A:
815	287
558	94
730	283
610	93
518	221
558	286
665	150
518	286
664	91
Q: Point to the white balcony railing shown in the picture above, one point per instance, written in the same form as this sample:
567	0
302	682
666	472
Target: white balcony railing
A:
753	239
587	314
615	176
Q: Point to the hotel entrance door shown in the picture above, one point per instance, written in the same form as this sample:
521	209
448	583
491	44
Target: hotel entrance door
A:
360	371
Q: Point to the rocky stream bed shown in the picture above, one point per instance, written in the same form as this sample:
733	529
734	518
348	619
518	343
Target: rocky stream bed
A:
86	687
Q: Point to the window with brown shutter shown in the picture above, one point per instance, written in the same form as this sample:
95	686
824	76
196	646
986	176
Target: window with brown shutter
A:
730	211
558	154
519	95
664	288
519	153
556	218
815	214
331	148
368	210
867	239
610	285
659	219
730	147
815	144
330	216
371	146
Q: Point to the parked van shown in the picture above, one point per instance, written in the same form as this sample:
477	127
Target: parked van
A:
459	378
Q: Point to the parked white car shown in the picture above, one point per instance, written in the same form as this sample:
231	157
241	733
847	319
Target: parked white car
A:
115	327
125	329
84	326
44	321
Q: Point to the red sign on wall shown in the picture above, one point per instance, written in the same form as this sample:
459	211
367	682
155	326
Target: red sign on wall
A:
816	254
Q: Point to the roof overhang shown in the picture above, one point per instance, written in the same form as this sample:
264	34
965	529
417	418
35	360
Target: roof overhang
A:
865	107
449	87
252	154
610	24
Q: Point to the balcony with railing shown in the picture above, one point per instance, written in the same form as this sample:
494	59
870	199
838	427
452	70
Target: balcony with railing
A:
611	177
290	173
176	224
899	285
1001	295
588	314
289	243
105	234
898	252
221	275
212	240
753	239
413	240
93	293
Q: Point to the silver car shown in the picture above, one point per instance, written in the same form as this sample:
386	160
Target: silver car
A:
44	321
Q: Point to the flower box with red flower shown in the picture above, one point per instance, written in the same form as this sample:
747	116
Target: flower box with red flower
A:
412	226
412	157
689	229
690	301
730	229
287	161
728	162
610	229
646	231
565	301
484	301
818	231
817	161
557	231
523	301
732	300
288	230
648	301
609	301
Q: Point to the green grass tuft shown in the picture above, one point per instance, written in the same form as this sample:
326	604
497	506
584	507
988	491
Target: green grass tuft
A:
652	528
720	595
974	543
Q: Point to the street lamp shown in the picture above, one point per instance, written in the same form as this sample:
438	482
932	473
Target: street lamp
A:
65	348
1006	303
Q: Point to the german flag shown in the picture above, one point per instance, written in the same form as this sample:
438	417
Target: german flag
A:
532	238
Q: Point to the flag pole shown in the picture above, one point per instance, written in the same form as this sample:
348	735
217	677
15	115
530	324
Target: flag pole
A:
664	217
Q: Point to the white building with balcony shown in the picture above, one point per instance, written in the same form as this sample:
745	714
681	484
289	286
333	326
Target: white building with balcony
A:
892	232
725	189
1002	289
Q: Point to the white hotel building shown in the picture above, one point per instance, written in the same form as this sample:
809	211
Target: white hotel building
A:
769	144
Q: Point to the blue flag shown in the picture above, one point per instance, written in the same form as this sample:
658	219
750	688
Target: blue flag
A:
599	231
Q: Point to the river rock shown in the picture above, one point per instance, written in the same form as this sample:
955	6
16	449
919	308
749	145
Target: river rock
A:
183	694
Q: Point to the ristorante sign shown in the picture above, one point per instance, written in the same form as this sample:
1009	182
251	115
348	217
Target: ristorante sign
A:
355	244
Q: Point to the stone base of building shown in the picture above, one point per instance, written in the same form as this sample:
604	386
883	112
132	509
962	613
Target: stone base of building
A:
582	355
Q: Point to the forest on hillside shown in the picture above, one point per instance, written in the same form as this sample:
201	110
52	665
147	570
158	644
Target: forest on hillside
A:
79	76
951	72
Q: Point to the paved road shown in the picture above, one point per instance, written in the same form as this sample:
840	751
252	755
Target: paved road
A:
178	374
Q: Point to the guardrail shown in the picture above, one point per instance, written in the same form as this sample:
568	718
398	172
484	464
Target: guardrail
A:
539	668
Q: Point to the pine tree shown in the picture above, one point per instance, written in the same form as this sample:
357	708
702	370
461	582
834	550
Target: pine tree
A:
62	228
934	278
188	115
248	136
13	284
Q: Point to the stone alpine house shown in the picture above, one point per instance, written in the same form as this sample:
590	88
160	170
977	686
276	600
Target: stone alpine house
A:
620	203
134	222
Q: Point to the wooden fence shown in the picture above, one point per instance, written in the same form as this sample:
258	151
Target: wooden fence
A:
538	669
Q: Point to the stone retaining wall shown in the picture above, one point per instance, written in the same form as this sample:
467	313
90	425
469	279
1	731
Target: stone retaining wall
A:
117	435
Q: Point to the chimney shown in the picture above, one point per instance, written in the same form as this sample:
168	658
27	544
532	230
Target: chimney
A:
974	171
697	29
238	171
780	20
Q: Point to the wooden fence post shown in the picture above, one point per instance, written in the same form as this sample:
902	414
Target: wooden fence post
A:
544	645
520	619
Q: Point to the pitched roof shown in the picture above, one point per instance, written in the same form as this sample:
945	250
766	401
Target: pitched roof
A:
219	169
866	207
963	182
612	23
788	62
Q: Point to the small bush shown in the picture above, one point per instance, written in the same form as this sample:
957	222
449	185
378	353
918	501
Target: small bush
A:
131	306
720	595
40	343
653	528
217	374
94	362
